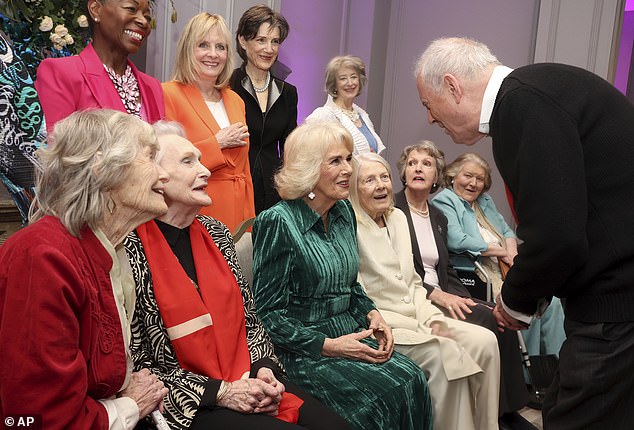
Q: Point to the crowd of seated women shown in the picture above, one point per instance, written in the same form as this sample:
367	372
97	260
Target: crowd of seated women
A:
123	302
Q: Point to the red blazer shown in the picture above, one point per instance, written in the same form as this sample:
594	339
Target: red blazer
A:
68	84
61	344
230	185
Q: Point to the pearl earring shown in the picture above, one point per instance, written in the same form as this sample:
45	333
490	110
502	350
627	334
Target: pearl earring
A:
311	195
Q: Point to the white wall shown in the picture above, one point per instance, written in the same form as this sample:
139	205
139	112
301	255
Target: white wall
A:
507	27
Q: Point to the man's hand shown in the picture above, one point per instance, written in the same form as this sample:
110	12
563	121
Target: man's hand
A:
505	320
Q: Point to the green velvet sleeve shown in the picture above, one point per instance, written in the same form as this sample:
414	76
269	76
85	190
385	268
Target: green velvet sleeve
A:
273	259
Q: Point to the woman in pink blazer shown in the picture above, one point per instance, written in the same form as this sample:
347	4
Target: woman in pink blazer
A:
102	76
213	116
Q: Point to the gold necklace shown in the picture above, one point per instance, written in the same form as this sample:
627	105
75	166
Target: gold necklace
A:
424	214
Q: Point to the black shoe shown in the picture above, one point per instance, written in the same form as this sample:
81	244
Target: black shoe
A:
514	421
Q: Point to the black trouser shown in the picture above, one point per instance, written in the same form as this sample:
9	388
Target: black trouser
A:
313	415
594	386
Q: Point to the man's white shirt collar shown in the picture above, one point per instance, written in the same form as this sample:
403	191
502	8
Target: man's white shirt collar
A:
491	92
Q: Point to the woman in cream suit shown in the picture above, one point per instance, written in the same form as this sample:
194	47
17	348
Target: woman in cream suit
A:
461	359
213	116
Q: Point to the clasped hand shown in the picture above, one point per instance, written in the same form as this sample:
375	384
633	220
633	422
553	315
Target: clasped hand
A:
350	345
259	395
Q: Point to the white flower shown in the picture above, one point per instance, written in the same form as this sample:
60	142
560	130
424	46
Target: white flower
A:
56	39
68	39
60	30
82	21
46	24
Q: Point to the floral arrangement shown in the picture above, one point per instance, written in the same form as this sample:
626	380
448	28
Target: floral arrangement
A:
48	28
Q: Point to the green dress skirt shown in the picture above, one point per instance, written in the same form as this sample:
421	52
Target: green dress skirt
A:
306	289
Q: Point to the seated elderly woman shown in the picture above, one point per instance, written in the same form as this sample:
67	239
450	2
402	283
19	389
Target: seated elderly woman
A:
194	323
64	301
306	264
421	167
461	359
474	225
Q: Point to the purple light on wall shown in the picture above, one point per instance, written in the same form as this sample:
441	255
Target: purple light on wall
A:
622	74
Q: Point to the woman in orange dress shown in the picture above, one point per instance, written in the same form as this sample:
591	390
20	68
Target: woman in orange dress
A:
213	115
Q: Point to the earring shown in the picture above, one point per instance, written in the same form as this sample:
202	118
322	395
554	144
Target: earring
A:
311	195
111	205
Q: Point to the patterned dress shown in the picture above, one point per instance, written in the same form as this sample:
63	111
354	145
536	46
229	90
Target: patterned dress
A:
306	289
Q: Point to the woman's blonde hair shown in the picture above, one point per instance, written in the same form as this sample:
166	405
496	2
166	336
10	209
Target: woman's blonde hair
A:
90	153
186	68
358	161
337	64
304	151
455	166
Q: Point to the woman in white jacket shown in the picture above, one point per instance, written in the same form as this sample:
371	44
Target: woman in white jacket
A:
345	78
461	359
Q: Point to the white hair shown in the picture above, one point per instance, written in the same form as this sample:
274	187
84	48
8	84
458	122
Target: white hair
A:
462	57
358	161
164	128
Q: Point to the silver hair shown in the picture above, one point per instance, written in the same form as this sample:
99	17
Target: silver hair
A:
90	153
304	151
455	167
462	57
358	161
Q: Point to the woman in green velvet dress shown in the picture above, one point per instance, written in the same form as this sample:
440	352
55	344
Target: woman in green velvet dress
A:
329	335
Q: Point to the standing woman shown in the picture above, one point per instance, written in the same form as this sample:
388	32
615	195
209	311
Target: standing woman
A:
102	76
213	116
271	103
345	78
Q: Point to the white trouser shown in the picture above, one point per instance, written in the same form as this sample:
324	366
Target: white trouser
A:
469	403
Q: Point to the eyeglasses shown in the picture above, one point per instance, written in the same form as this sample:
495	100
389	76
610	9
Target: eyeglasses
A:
372	181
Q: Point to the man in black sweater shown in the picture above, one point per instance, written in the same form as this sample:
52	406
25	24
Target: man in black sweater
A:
563	140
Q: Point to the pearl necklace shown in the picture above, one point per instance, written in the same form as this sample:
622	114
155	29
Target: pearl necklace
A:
266	84
424	214
352	114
